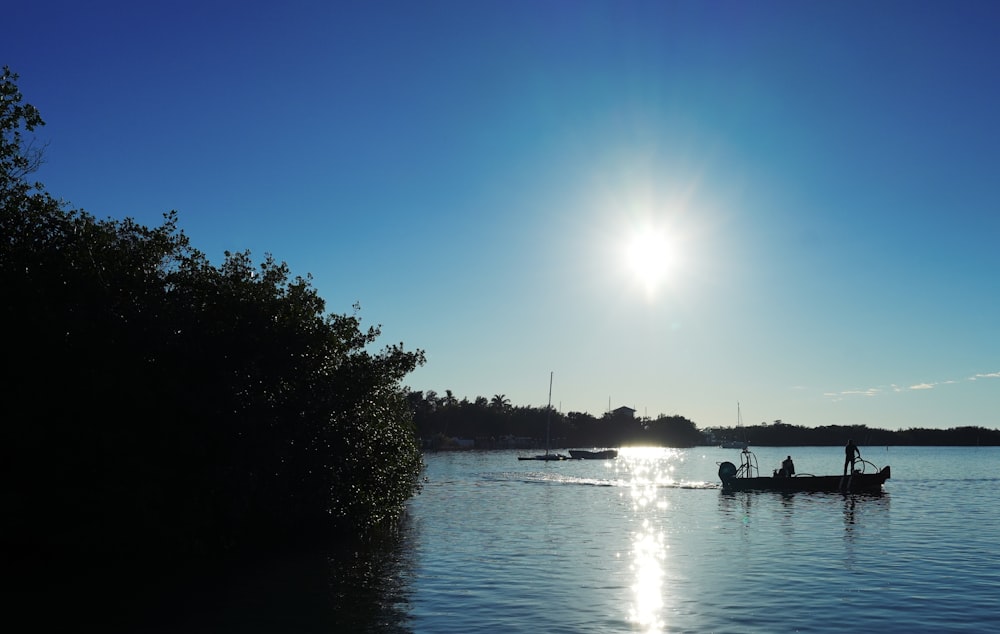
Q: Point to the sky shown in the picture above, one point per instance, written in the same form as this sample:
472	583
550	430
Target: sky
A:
783	209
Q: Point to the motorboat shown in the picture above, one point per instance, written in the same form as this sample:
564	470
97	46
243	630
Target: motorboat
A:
865	477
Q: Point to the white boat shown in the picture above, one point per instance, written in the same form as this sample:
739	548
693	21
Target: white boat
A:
596	454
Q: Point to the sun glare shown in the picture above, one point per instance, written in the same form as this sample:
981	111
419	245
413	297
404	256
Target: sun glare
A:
651	257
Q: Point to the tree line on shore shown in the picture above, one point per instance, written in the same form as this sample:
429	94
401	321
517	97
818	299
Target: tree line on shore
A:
780	434
494	423
441	420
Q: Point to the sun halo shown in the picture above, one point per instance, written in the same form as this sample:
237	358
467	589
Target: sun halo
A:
651	258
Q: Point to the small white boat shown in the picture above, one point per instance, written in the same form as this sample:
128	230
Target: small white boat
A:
598	454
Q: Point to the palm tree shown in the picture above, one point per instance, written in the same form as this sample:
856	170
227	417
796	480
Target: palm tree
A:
500	401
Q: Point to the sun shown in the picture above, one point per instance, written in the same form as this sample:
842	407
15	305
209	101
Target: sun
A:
651	258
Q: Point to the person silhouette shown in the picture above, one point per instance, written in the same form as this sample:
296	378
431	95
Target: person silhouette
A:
788	467
851	452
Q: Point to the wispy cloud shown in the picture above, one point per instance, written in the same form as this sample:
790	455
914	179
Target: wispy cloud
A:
839	396
876	391
991	375
872	391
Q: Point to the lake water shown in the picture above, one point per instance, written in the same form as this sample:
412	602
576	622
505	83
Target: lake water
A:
645	543
649	543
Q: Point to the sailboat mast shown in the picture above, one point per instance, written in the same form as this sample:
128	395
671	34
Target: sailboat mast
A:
548	415
739	423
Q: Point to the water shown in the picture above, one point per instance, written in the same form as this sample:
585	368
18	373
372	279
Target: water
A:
649	543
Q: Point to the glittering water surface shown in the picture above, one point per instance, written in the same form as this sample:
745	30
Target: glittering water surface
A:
649	543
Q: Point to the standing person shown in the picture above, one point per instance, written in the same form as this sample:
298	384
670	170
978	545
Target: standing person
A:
851	452
788	467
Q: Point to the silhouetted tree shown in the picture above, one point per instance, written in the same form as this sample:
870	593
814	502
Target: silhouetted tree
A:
500	402
673	431
156	402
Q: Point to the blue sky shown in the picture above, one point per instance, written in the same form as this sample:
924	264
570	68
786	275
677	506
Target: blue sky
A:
818	182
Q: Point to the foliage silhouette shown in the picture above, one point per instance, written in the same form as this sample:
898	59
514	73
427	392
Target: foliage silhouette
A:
439	420
494	423
156	403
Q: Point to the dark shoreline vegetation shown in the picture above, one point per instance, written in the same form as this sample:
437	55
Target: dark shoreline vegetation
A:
159	408
445	422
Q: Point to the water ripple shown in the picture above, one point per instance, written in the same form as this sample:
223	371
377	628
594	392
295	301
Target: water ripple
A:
648	543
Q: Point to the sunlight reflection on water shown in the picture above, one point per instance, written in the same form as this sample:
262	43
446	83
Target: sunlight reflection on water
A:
646	470
648	555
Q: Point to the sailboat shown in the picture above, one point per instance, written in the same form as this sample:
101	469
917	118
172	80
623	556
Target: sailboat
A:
548	419
736	444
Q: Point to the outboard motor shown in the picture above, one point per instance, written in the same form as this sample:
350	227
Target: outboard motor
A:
727	471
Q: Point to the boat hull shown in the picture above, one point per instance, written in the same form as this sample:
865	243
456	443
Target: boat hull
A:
857	483
581	454
734	444
547	457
